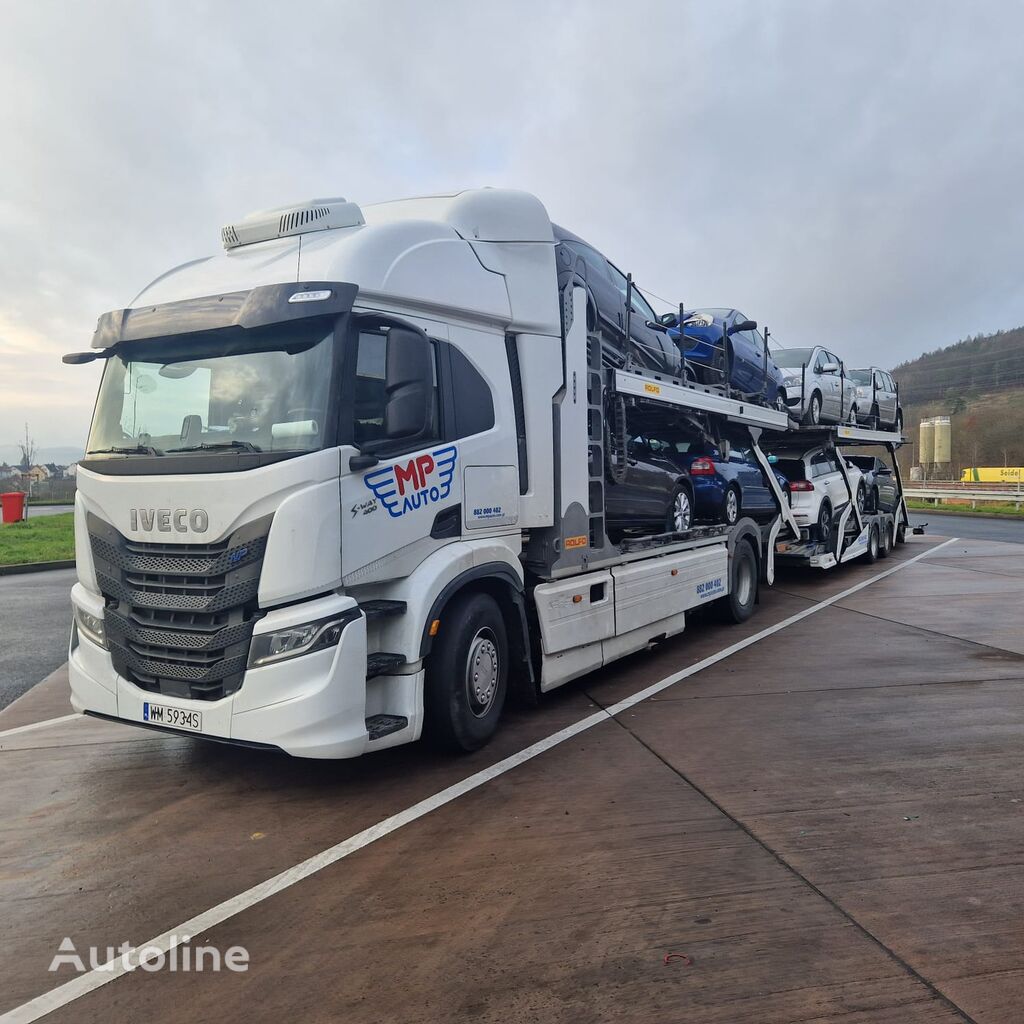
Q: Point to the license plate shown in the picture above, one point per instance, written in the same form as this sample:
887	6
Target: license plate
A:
176	718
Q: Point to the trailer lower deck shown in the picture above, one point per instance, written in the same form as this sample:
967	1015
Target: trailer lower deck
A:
814	816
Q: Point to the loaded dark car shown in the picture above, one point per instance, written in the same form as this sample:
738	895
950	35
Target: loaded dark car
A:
650	345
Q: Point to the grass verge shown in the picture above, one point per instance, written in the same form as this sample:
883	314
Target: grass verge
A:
38	539
984	509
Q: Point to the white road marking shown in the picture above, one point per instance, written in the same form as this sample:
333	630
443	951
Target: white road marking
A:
201	923
40	725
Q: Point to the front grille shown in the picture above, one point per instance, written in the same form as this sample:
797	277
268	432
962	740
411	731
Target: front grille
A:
179	617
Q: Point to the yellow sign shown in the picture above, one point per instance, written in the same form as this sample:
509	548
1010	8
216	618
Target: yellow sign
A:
652	389
993	475
576	542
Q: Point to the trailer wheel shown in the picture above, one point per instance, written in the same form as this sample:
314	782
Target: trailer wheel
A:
901	533
738	605
467	674
873	545
888	541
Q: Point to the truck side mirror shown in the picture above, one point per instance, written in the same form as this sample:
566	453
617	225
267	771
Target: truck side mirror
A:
409	384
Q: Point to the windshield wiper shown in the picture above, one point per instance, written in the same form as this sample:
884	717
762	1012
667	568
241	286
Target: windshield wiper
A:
205	446
138	449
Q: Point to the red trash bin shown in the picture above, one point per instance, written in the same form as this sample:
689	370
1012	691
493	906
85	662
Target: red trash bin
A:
13	505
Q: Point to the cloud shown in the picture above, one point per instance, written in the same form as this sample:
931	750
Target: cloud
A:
847	173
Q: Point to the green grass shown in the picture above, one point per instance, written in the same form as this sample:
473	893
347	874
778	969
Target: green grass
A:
985	508
38	539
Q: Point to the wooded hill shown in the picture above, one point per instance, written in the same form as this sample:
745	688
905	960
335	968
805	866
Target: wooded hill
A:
979	383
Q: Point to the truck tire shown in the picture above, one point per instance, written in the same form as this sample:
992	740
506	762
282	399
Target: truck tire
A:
467	675
874	546
901	533
738	605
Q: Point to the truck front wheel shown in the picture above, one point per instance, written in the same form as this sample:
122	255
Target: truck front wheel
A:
467	674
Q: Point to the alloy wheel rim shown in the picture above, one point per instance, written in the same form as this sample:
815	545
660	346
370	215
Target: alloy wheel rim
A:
732	507
681	512
482	672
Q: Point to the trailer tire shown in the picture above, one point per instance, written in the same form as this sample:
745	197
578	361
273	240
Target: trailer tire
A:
888	541
738	605
901	533
467	675
874	550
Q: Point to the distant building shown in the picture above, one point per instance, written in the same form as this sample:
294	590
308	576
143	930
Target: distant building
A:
71	471
8	472
37	473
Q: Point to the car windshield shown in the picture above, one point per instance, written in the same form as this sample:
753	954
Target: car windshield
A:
266	391
793	356
860	376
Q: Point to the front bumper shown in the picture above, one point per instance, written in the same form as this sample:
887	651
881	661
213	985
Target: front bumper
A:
310	706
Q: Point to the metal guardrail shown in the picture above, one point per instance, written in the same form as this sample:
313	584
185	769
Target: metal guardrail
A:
973	494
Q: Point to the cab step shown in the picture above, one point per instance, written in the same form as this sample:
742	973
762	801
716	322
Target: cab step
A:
380	608
379	726
381	663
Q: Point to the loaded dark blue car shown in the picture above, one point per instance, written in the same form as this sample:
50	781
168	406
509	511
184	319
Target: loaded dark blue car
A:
724	487
705	333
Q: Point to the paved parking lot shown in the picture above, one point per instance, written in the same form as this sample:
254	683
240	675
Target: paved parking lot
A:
816	817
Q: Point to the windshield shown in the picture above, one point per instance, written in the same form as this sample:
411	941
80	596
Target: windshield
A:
860	376
266	391
793	356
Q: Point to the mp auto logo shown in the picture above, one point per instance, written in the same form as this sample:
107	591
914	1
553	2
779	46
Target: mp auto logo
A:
424	480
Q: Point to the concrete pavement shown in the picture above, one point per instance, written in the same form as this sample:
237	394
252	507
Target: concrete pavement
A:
821	826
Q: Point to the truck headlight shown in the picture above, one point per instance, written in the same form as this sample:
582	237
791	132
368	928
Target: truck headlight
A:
91	626
295	641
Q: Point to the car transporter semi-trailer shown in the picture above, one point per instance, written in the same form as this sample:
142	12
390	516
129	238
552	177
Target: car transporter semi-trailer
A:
345	485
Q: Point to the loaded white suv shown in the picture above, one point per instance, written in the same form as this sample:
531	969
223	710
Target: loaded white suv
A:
817	488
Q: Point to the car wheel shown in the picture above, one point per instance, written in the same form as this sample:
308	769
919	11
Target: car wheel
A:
680	511
899	423
731	507
873	545
873	507
853	416
467	674
873	420
738	605
813	415
862	498
825	522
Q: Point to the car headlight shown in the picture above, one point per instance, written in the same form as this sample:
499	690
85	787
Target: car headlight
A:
91	626
862	392
790	381
295	641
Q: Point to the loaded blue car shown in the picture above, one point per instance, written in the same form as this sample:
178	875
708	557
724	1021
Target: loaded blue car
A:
725	487
706	333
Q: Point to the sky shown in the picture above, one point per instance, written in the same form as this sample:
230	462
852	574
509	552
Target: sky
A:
846	173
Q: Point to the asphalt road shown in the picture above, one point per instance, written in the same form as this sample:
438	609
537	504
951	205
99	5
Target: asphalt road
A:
35	624
48	510
975	527
35	612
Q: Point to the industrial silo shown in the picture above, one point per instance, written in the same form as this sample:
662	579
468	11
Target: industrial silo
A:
926	455
943	441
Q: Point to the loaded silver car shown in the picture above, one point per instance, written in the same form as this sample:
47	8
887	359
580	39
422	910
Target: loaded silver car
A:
814	387
878	399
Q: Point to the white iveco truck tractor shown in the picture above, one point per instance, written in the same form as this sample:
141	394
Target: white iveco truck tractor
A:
345	485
